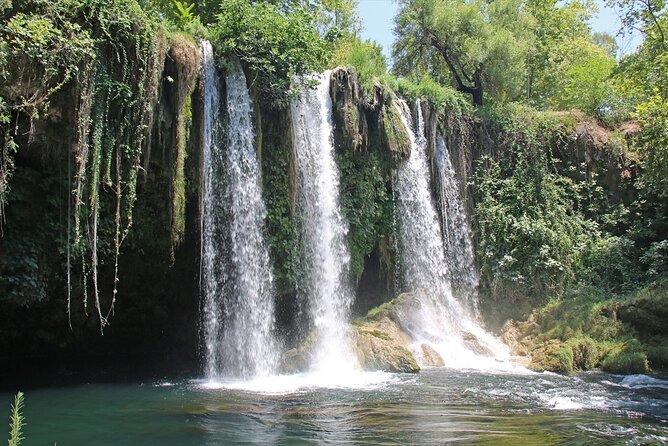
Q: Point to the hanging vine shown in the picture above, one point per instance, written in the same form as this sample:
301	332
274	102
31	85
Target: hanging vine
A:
114	52
186	56
108	55
125	94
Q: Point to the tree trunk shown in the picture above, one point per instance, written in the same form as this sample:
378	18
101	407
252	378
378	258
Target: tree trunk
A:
477	95
476	91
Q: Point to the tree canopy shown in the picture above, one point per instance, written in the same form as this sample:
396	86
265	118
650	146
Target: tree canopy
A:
482	45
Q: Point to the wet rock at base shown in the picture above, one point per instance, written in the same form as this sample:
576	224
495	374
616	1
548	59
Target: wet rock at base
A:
381	345
295	360
472	342
430	357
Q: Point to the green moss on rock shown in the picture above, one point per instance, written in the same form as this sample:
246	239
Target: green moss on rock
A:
657	355
552	356
626	362
393	132
382	345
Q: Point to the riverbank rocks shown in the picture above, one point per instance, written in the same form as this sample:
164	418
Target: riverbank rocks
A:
298	360
472	343
295	360
378	341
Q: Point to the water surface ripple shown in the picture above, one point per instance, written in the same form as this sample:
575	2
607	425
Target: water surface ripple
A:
438	406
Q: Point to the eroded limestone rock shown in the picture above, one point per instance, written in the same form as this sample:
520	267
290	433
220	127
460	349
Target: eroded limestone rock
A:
430	357
381	345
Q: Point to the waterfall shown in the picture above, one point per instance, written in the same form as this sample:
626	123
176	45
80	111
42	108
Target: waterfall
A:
461	268
327	259
235	272
436	317
211	218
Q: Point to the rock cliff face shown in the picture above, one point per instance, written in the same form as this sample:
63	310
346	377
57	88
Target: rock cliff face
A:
158	298
156	307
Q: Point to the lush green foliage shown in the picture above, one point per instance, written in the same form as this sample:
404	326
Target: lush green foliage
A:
336	18
541	51
644	75
365	57
365	202
41	49
441	97
277	44
484	45
278	183
111	51
587	328
550	221
576	77
567	69
529	231
44	48
182	15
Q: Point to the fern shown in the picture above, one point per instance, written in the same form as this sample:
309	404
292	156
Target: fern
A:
183	13
17	421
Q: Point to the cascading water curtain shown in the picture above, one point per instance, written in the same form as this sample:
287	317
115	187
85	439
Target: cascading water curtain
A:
211	273
237	276
462	270
437	318
327	259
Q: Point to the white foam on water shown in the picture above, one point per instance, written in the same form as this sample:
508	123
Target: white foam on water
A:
300	382
643	381
571	398
609	430
456	356
563	403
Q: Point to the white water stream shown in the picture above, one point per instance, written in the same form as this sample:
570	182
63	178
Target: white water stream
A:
324	230
435	317
236	275
461	268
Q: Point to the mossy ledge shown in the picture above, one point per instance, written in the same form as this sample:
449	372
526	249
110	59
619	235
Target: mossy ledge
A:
589	330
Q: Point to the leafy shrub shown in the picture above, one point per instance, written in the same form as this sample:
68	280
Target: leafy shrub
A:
278	44
365	56
365	203
553	356
440	96
586	352
527	229
626	362
657	355
655	259
615	257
